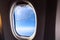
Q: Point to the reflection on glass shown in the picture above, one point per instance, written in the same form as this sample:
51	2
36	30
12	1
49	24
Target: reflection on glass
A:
24	20
0	24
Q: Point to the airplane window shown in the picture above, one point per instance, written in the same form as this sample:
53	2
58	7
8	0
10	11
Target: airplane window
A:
23	20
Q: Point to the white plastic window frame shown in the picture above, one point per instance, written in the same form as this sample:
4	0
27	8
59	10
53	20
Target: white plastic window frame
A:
12	22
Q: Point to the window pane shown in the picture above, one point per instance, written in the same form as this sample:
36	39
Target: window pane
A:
24	17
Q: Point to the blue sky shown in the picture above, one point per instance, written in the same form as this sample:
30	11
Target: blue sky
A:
25	20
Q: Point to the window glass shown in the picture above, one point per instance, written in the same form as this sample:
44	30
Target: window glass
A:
24	19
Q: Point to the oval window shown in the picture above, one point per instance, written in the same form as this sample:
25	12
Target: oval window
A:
24	20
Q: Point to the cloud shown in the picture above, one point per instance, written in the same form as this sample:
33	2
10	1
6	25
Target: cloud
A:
23	12
28	31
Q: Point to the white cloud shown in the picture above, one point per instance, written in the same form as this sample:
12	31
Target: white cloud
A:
25	30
